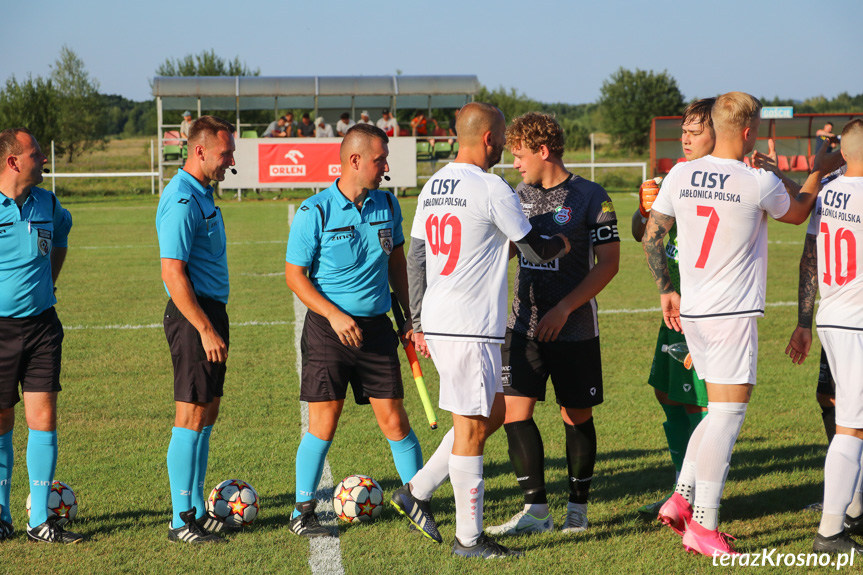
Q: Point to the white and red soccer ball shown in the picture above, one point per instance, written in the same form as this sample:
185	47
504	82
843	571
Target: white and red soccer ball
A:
62	503
235	502
358	498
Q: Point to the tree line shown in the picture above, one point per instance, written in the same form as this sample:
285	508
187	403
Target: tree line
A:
68	108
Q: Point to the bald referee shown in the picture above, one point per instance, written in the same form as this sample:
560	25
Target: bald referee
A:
193	250
345	250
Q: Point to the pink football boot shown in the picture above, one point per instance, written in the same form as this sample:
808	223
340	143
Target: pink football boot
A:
714	543
676	513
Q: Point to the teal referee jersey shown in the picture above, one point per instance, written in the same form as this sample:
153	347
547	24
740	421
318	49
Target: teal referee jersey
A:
27	236
347	250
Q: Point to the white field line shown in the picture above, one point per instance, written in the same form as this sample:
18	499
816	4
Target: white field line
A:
159	325
148	246
658	309
325	553
299	325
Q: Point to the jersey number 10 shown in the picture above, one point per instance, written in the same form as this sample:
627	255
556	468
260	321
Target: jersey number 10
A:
842	235
436	234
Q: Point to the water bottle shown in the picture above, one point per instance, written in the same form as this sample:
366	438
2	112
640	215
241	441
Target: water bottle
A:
680	352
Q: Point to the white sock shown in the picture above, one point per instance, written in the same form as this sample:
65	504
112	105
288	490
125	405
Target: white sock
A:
856	507
468	487
538	510
435	471
713	459
686	478
841	470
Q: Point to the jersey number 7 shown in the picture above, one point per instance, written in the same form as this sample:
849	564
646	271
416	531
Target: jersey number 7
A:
437	232
709	234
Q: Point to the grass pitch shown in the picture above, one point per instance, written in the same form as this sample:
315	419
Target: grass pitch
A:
116	413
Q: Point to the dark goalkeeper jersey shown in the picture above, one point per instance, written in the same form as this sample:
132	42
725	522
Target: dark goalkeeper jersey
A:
581	210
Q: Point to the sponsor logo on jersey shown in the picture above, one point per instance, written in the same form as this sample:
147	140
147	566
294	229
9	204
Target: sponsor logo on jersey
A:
552	266
562	215
526	208
385	236
607	207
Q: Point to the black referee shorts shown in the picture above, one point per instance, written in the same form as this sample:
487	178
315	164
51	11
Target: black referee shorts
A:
575	368
30	352
329	365
195	378
826	385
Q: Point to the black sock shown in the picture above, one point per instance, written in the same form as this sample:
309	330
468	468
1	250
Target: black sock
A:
580	458
828	414
528	459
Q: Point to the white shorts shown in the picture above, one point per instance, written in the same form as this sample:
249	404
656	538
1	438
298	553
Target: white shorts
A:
845	355
470	375
723	350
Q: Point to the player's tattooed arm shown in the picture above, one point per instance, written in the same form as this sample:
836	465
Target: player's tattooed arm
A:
808	285
801	339
658	226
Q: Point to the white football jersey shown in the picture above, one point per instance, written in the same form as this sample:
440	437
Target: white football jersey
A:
467	218
836	220
721	209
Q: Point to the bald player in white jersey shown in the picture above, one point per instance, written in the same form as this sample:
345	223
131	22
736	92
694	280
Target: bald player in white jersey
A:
457	274
837	225
720	207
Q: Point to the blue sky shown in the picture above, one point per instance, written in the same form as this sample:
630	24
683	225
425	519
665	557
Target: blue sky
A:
552	51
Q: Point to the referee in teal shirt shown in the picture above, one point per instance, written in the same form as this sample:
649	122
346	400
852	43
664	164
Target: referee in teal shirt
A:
33	239
193	252
345	250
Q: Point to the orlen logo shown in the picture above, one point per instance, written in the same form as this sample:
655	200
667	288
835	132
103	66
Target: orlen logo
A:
335	170
295	169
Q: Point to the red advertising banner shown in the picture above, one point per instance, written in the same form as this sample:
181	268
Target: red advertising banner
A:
292	162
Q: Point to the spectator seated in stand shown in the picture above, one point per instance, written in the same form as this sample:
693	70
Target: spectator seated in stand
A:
388	124
344	124
276	129
322	129
306	129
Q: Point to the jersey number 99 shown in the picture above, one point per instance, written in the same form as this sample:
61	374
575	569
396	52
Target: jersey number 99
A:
444	237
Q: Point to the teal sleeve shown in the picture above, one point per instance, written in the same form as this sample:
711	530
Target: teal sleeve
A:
176	230
305	237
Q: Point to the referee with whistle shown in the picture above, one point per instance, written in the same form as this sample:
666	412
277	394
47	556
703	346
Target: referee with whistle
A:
345	249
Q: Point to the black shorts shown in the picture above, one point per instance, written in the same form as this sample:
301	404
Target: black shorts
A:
30	352
195	378
575	368
329	365
826	385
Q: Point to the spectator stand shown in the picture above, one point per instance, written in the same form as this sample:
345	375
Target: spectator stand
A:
794	137
232	97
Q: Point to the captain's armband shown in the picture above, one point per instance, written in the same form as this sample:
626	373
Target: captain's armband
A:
604	233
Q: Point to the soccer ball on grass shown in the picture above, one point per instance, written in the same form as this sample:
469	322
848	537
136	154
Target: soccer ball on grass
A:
358	498
235	502
62	503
